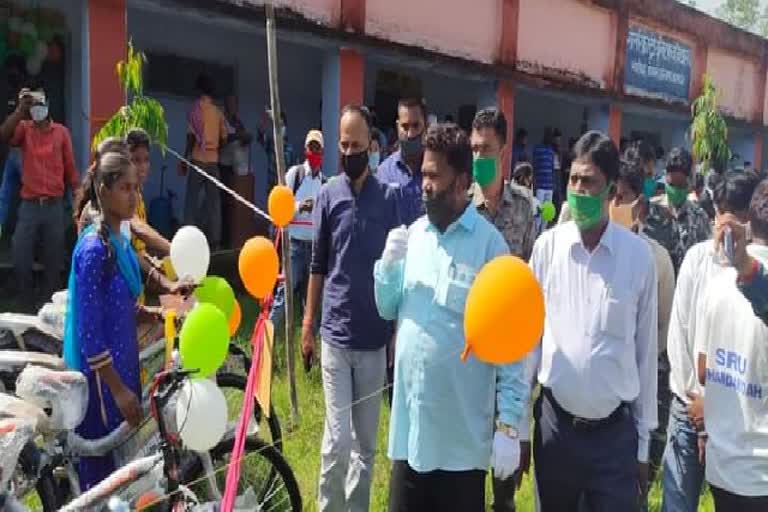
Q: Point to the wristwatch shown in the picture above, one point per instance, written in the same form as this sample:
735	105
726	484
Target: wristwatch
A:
507	430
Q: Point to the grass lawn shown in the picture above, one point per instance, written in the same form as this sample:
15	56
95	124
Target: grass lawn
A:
302	442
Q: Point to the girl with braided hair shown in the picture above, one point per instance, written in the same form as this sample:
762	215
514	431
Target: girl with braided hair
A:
142	236
100	330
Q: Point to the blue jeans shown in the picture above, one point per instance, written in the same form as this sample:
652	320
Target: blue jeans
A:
301	254
683	474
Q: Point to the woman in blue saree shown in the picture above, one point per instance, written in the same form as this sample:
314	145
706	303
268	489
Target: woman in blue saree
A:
100	333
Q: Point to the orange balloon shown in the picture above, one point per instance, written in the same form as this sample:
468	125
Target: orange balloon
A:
504	313
281	205
235	319
147	500
258	265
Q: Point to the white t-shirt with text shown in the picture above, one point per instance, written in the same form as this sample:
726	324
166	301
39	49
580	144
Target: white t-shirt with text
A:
735	342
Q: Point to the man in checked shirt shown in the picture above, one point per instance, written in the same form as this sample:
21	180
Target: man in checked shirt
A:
509	207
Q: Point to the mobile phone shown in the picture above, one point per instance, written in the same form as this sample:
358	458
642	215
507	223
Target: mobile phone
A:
728	245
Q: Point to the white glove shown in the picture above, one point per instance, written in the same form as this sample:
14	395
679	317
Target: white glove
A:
396	246
505	456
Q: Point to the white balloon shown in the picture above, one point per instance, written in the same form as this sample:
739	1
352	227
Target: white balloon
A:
201	414
190	254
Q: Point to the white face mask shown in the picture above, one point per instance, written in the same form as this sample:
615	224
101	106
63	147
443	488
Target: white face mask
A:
39	113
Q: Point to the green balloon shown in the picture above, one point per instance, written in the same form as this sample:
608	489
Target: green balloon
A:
215	290
548	211
204	340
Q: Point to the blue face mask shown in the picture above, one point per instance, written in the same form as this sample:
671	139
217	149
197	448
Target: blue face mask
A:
373	160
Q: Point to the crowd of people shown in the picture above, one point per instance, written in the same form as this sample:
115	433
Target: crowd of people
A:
653	355
646	302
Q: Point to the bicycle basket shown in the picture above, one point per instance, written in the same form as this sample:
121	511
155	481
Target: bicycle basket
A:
64	393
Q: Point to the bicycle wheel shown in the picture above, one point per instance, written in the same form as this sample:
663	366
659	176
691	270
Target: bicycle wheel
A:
265	476
233	386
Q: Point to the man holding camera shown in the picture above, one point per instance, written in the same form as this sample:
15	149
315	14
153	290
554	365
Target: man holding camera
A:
48	166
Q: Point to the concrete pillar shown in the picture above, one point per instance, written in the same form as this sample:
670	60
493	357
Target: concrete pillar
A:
107	45
343	84
505	93
614	123
758	157
607	119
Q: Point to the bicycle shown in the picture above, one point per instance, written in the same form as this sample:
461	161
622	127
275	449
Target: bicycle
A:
169	471
31	334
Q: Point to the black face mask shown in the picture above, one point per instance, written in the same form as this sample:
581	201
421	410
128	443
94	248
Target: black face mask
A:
438	205
354	165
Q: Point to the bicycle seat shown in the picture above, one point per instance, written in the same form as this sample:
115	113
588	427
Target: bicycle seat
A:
64	393
14	361
14	434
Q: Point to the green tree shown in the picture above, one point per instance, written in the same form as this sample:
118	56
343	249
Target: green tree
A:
750	15
141	112
709	131
741	13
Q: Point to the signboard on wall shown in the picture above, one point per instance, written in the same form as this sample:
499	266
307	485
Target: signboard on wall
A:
657	66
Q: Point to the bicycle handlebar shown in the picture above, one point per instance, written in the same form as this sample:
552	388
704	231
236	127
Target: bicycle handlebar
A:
103	445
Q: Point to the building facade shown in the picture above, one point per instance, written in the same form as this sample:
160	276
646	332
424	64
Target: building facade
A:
628	67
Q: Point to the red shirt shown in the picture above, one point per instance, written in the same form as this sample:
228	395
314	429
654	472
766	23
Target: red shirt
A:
48	161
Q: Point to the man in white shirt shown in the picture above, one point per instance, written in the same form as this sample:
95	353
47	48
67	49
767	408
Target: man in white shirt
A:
733	344
597	360
683	473
305	181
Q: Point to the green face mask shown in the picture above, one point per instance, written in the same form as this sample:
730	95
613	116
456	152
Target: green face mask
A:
484	170
676	195
586	210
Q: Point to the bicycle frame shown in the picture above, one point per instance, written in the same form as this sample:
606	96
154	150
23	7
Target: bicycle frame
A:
135	473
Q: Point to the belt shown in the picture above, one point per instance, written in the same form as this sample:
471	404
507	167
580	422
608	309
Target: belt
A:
42	200
580	423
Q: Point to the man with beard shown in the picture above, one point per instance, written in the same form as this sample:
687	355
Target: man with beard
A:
441	434
352	215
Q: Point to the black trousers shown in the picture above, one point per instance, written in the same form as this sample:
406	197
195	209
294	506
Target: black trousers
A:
504	494
595	464
728	502
410	491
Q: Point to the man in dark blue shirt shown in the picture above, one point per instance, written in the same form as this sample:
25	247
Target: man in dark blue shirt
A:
352	216
402	170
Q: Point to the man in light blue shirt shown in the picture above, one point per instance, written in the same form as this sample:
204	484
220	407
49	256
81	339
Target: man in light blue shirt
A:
442	425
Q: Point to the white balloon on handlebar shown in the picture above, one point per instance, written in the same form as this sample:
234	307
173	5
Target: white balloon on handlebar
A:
201	414
190	254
